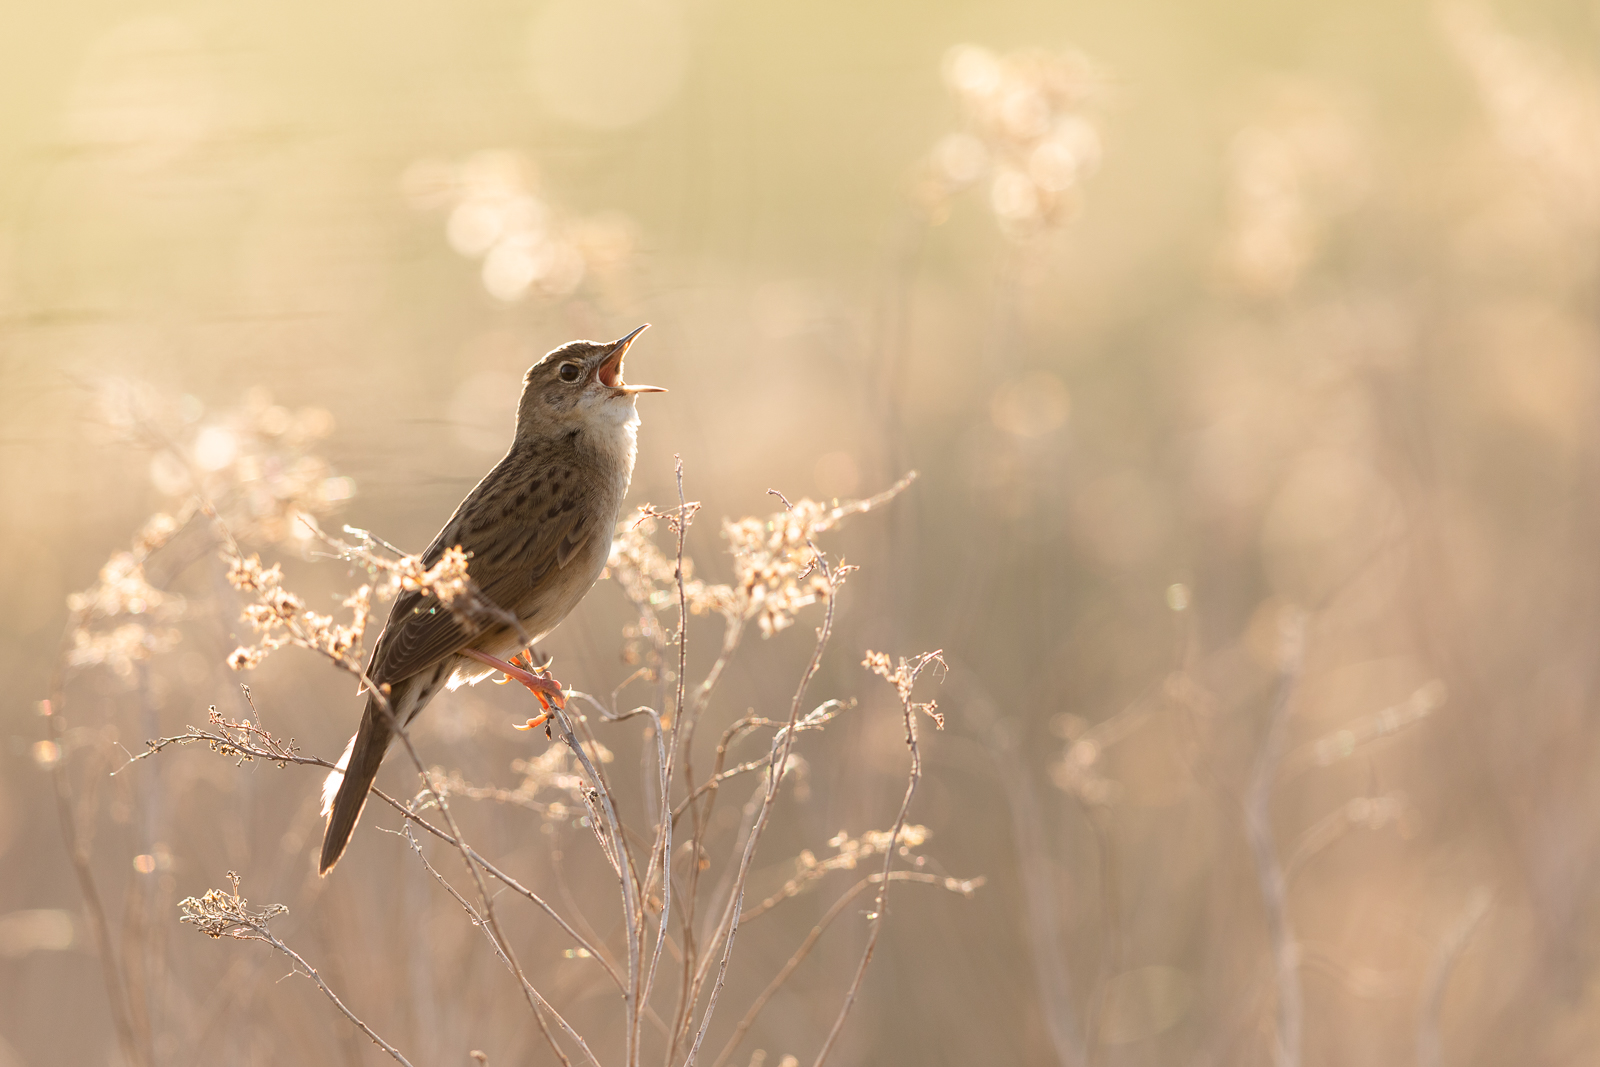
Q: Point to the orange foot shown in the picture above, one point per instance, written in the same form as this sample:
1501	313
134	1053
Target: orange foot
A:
541	685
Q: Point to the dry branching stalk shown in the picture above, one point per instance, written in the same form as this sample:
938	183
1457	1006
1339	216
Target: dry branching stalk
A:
903	677
778	572
1258	830
223	913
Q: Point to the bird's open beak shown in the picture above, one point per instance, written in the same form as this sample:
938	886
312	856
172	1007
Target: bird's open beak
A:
609	372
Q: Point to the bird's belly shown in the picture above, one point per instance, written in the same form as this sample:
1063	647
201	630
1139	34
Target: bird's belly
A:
545	612
540	615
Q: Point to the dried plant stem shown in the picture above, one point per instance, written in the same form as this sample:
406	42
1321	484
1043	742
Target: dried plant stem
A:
701	813
624	866
1322	834
689	995
486	901
259	932
876	927
666	757
641	994
510	883
783	742
695	966
810	943
1038	881
1438	980
478	921
284	756
814	720
1270	873
67	809
732	632
1111	923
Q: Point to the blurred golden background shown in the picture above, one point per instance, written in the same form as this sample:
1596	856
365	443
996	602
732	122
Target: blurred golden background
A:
1247	353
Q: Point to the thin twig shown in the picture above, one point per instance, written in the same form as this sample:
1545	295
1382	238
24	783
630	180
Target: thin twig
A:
78	852
814	720
1269	871
227	740
311	972
783	742
965	888
485	899
478	921
665	758
1345	741
1438	980
625	870
732	632
904	679
1043	911
1371	812
222	914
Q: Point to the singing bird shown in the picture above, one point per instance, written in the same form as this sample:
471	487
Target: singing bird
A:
538	530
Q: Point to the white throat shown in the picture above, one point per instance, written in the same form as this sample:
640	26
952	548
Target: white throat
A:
615	431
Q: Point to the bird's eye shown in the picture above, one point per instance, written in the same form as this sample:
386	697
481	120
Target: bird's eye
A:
569	372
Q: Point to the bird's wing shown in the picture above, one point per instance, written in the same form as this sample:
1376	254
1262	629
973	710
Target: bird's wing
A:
508	563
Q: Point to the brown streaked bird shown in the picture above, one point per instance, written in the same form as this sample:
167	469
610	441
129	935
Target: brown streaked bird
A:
538	530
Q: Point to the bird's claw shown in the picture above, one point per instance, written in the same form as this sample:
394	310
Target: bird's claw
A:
558	699
540	683
523	659
536	722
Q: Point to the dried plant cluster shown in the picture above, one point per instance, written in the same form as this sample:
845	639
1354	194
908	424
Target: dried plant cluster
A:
115	622
681	869
224	913
255	464
1029	136
528	245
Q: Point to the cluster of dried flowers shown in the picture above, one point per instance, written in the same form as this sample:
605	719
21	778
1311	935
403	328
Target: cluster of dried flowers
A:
526	244
1299	163
281	617
777	568
903	676
249	468
1028	133
242	741
253	463
221	913
121	619
851	852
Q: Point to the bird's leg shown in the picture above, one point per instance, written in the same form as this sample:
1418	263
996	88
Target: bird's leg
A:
542	686
506	679
525	659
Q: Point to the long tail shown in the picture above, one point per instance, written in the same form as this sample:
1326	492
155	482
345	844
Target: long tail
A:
360	766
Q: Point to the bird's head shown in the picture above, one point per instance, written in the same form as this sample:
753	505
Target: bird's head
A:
579	385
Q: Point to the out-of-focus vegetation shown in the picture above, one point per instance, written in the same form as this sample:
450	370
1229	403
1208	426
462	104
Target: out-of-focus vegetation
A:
1248	354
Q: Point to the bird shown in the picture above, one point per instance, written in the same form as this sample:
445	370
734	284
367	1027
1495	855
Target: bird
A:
537	530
